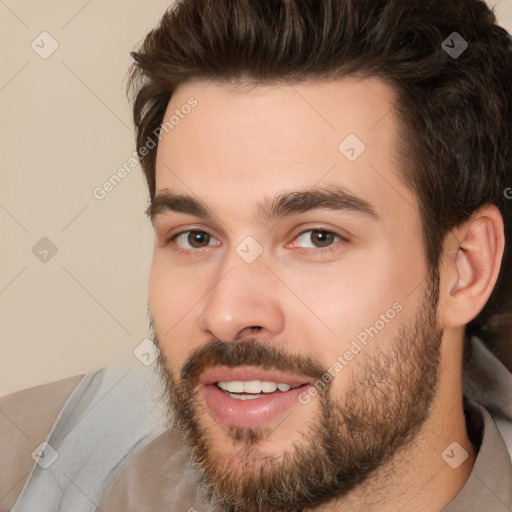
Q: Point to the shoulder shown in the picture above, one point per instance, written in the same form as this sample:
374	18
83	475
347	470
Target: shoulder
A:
158	477
109	415
488	382
26	419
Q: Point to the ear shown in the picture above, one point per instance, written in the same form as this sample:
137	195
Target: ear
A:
471	263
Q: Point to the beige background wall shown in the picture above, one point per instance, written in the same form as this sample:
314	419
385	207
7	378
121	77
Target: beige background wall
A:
65	128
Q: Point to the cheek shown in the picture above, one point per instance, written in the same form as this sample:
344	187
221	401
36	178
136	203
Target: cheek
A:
172	297
159	289
347	296
361	301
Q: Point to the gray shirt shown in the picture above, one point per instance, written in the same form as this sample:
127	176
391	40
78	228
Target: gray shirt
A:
115	454
489	486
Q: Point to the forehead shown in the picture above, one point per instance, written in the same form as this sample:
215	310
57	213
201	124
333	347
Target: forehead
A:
241	144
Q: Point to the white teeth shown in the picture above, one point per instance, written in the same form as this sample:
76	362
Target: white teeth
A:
253	386
244	397
233	386
268	387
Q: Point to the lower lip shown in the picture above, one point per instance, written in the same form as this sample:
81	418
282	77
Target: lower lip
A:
249	413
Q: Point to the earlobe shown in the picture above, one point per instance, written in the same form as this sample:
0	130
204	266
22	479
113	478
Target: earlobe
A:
474	269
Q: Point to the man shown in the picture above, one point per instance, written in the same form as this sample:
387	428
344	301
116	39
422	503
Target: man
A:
327	185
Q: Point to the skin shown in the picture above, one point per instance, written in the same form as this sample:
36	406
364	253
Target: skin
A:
240	147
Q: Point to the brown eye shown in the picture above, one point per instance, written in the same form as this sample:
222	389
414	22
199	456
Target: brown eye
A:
316	239
322	238
198	239
193	239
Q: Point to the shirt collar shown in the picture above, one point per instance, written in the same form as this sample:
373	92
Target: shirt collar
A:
489	486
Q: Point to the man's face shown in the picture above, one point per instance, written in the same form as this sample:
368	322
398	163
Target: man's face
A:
290	254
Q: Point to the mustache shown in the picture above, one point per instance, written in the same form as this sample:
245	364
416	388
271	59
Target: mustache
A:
251	352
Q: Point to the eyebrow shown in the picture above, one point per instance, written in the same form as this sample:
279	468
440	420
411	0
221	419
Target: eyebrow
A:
334	198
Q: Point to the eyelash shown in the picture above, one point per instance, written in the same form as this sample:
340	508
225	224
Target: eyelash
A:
319	250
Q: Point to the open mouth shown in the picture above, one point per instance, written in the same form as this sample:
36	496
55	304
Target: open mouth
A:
249	396
253	389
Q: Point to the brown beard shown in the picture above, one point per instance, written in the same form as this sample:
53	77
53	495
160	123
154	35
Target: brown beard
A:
355	434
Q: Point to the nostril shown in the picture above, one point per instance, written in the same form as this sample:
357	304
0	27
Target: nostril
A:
249	331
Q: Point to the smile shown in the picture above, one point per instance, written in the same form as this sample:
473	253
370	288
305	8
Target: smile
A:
249	397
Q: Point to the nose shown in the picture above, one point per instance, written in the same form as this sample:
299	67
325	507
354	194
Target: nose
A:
243	301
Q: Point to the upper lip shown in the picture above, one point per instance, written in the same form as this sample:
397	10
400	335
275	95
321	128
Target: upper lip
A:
249	373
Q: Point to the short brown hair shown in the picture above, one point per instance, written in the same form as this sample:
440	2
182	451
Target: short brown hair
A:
456	112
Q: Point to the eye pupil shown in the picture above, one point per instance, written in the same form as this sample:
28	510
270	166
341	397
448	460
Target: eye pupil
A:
322	238
198	238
